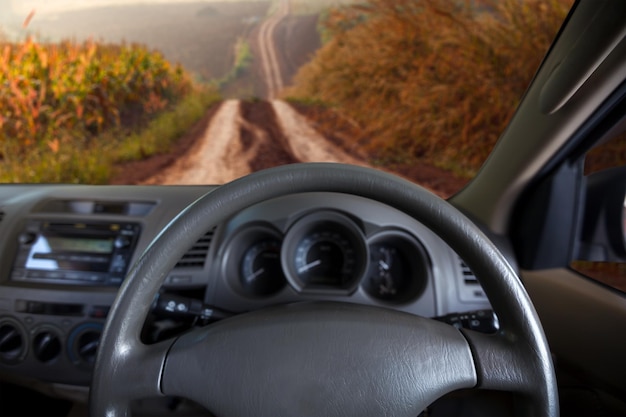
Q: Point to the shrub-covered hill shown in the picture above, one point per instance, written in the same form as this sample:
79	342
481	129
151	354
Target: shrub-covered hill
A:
430	80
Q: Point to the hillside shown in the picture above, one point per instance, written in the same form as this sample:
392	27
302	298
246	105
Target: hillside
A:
296	39
427	80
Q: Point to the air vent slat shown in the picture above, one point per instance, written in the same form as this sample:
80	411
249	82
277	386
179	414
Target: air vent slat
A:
470	289
199	254
196	256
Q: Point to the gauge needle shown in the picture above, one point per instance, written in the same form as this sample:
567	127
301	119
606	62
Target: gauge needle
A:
308	266
383	265
252	276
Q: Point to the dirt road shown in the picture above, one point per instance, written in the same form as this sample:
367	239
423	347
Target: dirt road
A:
270	64
246	136
243	137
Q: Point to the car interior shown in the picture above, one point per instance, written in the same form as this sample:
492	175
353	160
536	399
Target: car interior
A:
339	290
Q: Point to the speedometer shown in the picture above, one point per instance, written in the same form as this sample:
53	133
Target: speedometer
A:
325	251
325	257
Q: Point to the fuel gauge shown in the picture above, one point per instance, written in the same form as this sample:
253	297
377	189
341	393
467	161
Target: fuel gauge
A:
388	271
397	269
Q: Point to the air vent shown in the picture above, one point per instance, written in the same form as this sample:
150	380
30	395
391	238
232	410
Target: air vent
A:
468	276
196	256
470	290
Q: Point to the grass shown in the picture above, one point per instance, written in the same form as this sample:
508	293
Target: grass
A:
93	161
164	130
243	60
70	111
430	80
611	153
304	7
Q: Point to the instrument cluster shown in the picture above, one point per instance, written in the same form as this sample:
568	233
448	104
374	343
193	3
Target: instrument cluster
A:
325	252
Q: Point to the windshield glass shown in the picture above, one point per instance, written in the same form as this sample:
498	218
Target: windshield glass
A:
202	92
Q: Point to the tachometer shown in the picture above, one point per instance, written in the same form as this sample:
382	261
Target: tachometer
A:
261	271
251	261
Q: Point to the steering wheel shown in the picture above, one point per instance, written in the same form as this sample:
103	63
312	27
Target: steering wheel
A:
322	359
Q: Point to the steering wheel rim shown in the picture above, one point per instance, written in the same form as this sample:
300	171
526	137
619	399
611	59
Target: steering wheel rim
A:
516	359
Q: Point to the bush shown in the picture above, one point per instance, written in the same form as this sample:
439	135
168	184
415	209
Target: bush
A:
431	79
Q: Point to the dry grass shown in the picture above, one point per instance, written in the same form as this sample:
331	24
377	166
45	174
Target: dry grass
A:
611	153
432	79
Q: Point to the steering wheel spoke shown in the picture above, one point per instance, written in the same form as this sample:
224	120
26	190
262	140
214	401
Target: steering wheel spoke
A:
505	362
135	373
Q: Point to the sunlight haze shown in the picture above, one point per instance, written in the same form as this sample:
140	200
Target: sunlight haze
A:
55	6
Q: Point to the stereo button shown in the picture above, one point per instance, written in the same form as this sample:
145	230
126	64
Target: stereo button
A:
115	280
95	278
27	238
35	274
99	312
122	242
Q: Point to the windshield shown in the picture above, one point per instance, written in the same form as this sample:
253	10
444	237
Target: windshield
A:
202	92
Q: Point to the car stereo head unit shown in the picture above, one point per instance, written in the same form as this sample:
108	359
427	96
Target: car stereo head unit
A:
94	253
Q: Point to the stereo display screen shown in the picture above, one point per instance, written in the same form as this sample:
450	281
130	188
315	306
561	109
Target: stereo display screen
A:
53	253
79	244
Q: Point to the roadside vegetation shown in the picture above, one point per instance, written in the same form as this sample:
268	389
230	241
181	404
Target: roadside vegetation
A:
242	61
304	7
429	80
70	111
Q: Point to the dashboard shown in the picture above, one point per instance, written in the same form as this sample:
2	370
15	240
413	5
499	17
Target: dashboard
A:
67	248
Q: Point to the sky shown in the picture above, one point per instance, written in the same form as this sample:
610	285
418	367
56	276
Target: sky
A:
55	6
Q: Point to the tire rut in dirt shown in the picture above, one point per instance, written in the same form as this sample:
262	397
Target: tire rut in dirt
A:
136	172
262	137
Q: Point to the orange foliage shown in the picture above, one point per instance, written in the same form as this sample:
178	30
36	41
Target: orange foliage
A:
431	79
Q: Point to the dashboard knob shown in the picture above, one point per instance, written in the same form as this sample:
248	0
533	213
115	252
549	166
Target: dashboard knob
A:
87	346
121	242
46	346
26	238
83	344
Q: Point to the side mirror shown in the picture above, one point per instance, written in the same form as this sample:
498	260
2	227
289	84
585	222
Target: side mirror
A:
603	235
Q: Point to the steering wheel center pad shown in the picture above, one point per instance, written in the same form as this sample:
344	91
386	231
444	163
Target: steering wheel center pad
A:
316	358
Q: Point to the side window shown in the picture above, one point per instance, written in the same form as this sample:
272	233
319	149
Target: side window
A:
602	246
